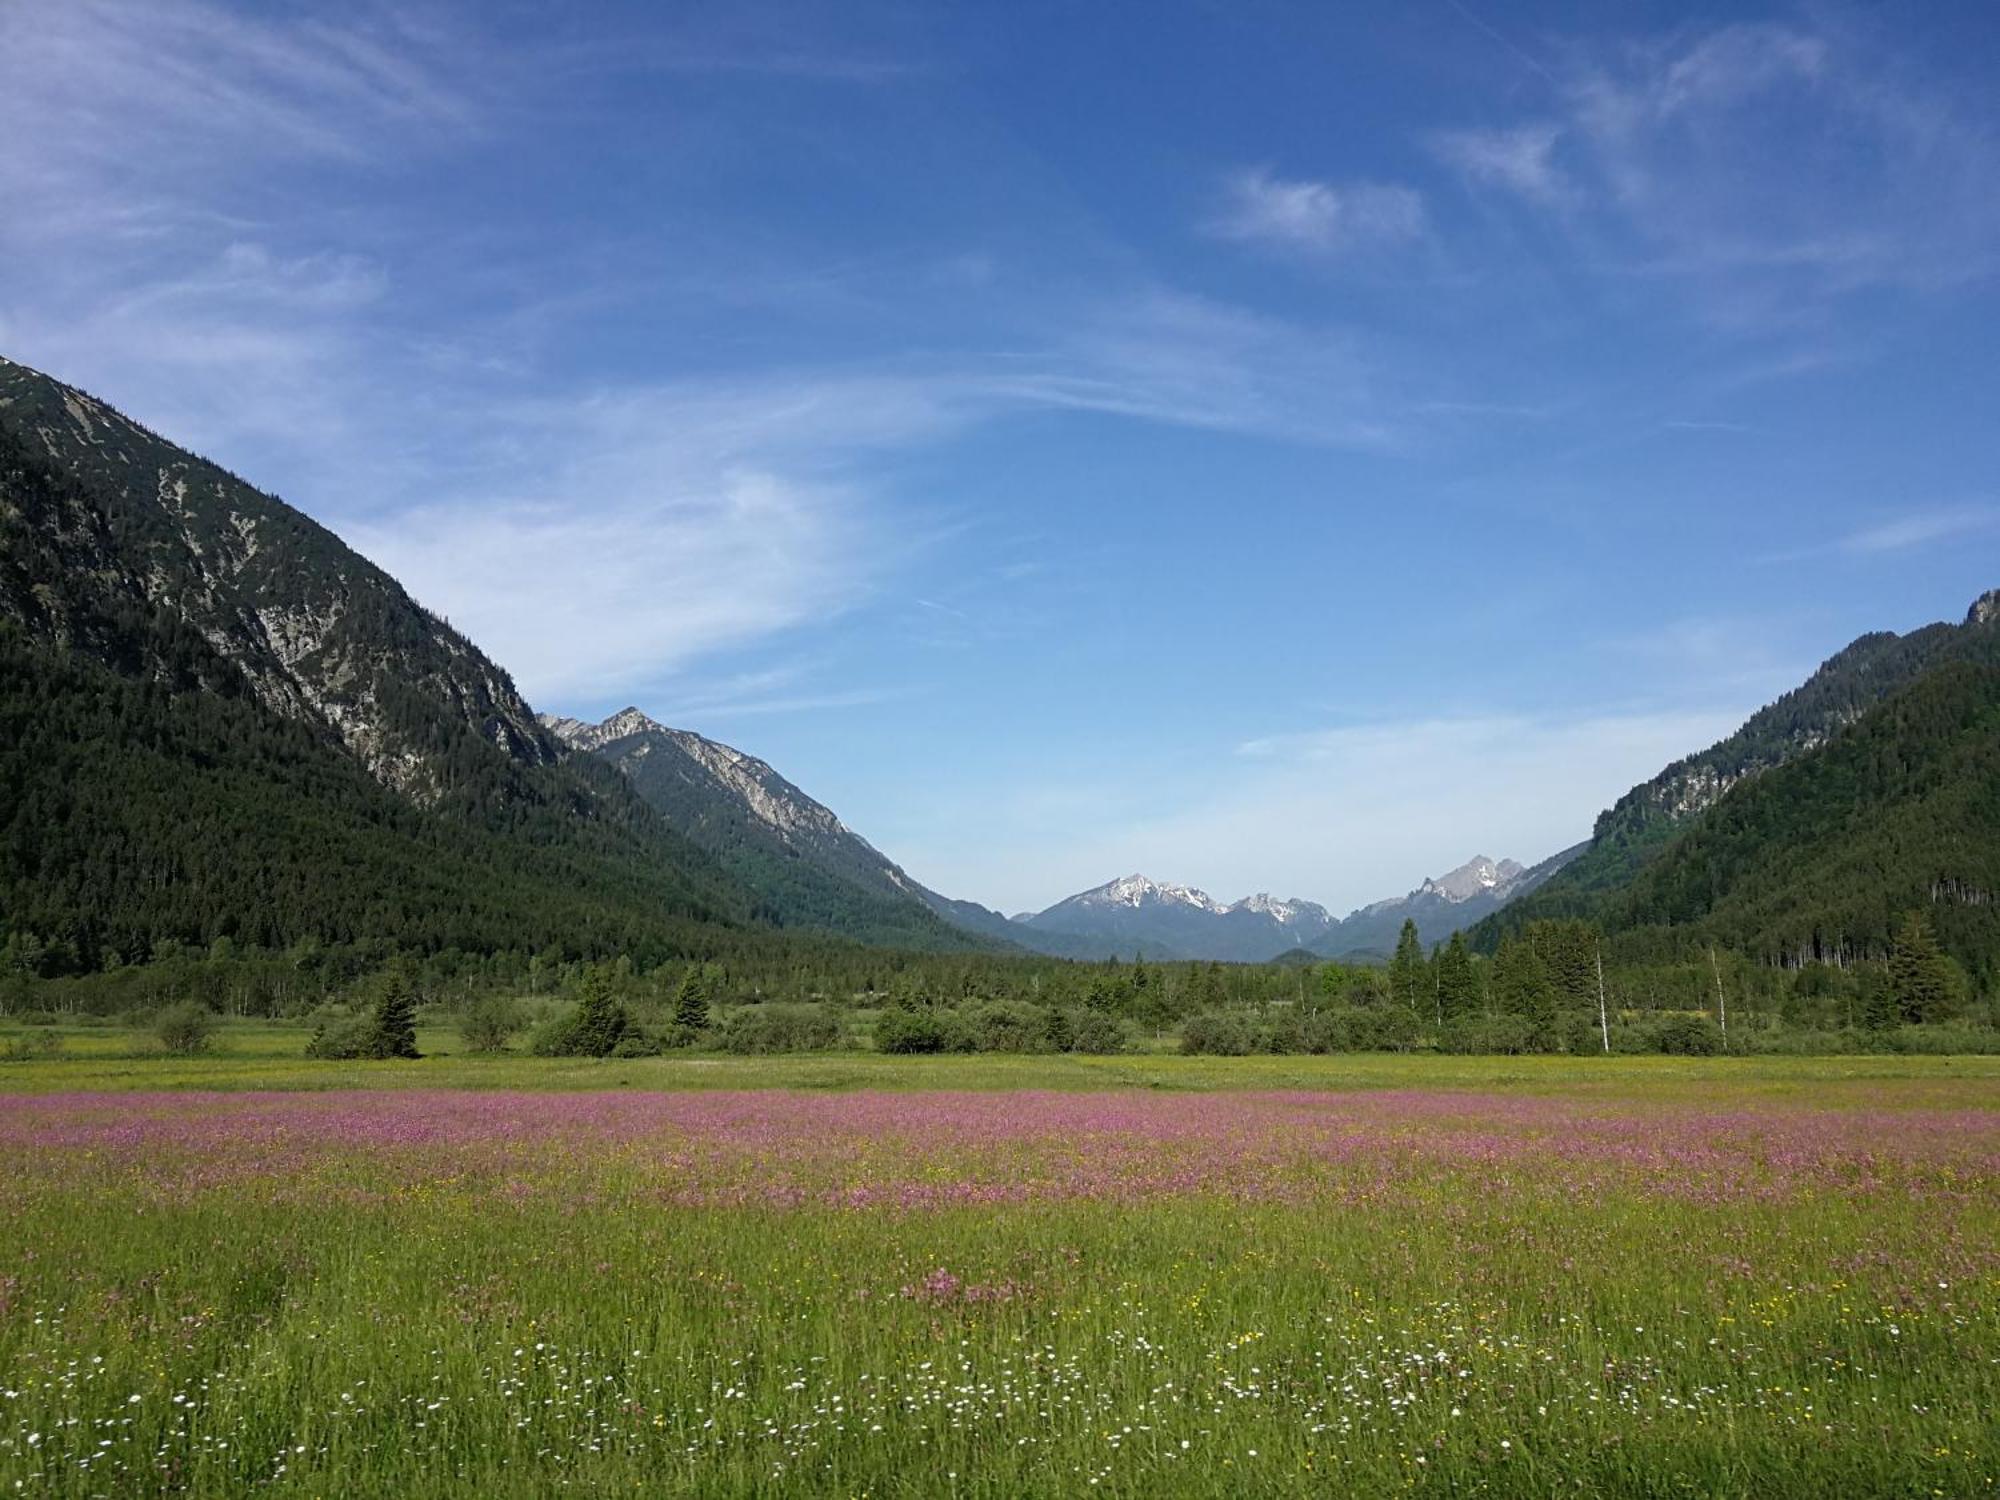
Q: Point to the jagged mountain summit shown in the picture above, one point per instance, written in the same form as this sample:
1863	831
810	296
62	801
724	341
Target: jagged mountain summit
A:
1162	920
1478	876
1441	905
767	796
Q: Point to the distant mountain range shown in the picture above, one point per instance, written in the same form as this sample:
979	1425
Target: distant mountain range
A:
1139	915
810	868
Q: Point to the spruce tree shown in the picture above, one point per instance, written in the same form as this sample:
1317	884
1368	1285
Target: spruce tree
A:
1521	987
1920	976
691	1001
1568	950
1879	1010
1457	981
598	1023
393	1031
1408	973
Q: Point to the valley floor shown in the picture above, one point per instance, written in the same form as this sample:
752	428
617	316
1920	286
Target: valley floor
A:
268	1055
999	1276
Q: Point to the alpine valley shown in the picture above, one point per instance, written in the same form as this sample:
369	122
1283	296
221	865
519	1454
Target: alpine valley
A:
218	722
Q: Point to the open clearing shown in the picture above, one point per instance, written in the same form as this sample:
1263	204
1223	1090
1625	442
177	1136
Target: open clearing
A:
1141	1275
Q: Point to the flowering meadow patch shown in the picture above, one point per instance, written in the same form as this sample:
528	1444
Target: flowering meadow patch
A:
434	1291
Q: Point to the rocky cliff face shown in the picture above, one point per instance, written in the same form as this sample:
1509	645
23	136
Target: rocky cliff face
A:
317	632
1844	688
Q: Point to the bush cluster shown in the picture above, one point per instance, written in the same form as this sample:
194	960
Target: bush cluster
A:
387	1029
999	1026
758	1029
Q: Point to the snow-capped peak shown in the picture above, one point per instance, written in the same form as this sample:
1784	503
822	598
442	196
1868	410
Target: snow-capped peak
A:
1475	877
1287	912
1138	890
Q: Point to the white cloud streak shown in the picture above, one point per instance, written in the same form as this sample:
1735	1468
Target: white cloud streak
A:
1521	160
1771	169
1317	218
1922	529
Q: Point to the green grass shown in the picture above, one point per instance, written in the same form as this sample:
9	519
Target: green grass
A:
1793	1294
269	1055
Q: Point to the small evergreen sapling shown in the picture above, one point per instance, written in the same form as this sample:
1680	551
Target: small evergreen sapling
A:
691	1001
393	1028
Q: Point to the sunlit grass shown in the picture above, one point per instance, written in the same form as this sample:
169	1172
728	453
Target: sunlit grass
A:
269	1055
1684	1279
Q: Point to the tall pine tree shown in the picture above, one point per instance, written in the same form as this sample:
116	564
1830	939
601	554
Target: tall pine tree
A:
691	1000
1521	987
1409	974
1457	981
1921	979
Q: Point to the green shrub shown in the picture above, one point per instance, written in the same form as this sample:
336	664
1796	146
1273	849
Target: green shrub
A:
1009	1026
1374	1028
1094	1032
389	1029
637	1042
593	1027
489	1024
1281	1035
753	1029
1949	1038
340	1038
910	1032
184	1029
1505	1035
1688	1036
1216	1033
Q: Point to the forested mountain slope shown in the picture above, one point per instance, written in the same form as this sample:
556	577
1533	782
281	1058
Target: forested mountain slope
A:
218	720
1634	831
806	867
1821	858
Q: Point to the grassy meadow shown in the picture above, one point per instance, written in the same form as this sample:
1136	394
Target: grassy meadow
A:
246	1273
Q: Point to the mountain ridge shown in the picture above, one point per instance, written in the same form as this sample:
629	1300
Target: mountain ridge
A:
1627	836
224	722
1164	920
806	866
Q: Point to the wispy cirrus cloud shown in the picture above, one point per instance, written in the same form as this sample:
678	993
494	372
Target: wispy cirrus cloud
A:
1770	167
596	535
1921	529
1318	218
1520	159
1912	530
125	108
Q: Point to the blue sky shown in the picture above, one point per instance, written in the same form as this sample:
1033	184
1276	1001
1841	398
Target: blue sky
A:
1275	447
